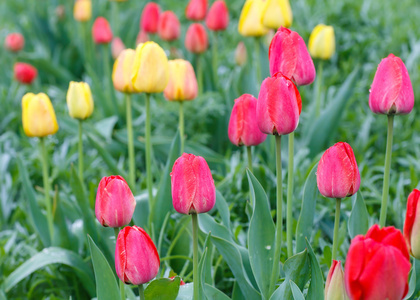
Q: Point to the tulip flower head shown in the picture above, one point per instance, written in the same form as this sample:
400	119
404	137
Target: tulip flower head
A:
14	42
101	31
117	46
169	27
218	17
412	223
322	42
79	100
250	20
182	85
82	10
25	73
122	71
240	54
193	189
150	18
196	40
288	54
142	37
335	288
277	13
391	92
196	10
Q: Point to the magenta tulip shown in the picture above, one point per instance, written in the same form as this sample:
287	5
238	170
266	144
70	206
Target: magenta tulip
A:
24	73
150	17
218	17
14	42
412	223
169	27
196	10
196	40
101	31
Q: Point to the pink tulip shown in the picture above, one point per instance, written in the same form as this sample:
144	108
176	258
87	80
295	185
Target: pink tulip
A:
193	189
14	42
240	54
412	223
117	46
278	106
218	17
196	40
338	175
101	31
288	54
335	288
243	127
196	10
150	17
136	258
142	37
25	73
391	92
115	202
169	27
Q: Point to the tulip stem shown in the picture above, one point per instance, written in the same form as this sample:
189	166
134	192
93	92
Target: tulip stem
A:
121	283
80	151
336	227
47	187
257	60
112	105
215	59
318	89
196	279
148	134
249	154
181	124
141	292
132	162
199	68
388	154
289	219
279	218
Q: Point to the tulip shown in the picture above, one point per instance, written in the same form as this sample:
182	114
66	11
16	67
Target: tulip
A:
142	37
82	10
412	224
250	21
196	10
169	27
14	42
101	31
79	100
60	12
25	73
335	287
115	203
377	265
240	54
288	54
218	16
196	40
38	115
322	42
117	46
182	85
150	17
122	71
276	14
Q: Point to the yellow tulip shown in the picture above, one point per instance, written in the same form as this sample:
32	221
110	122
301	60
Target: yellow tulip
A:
182	83
79	100
122	71
82	10
250	21
322	42
277	13
150	69
38	116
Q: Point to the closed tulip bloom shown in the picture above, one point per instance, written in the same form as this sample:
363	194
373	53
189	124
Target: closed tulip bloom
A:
193	189
288	54
337	175
169	27
322	42
122	71
101	31
250	21
182	85
115	203
335	288
391	92
25	73
117	46
412	224
278	106
377	265
240	54
196	40
277	13
79	100
82	10
218	17
142	37
150	72
150	17
243	127
196	10
14	42
38	116
136	257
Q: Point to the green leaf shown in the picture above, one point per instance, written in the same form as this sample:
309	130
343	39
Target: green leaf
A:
106	285
214	294
412	282
223	209
185	292
316	287
359	217
296	292
162	289
106	126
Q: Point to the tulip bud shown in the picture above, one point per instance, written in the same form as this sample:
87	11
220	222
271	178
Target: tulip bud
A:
193	189
288	54
182	83
196	10
123	71
240	54
250	21
196	40
136	257
322	42
150	17
335	287
79	100
14	42
82	10
277	13
218	16
25	73
278	106
101	31
377	265
150	72
412	224
38	116
169	27
117	46
115	203
142	37
391	92
338	175
243	127
60	12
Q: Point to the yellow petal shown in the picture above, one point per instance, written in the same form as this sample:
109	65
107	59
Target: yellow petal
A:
38	116
277	13
250	21
322	42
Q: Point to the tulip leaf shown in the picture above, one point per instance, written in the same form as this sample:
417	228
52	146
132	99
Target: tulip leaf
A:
316	287
106	285
223	209
162	289
296	292
412	283
214	294
359	217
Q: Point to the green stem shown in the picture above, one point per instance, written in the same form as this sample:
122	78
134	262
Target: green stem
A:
115	16
318	89
257	60
141	292
388	154
181	125
47	187
108	87
336	227
80	151
199	68
132	162
148	134
249	155
196	279
215	58
121	283
289	220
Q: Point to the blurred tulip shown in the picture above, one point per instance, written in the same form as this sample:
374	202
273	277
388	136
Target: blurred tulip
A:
377	265
412	223
193	189
38	116
136	257
82	10
196	10
25	73
79	100
322	42
14	42
243	127
269	37
250	21
391	92
150	72
60	12
150	17
218	17
335	288
240	54
142	37
169	27
182	83
277	13
196	40
101	31
115	203
122	71
117	46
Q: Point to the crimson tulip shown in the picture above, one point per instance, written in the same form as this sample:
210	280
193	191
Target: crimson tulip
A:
169	27
150	17
101	31
412	223
196	40
25	73
218	17
14	42
196	10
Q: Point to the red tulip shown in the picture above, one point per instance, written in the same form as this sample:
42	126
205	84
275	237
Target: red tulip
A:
14	42
278	106
218	16
150	17
338	175
115	202
117	46
288	54
412	223
169	27
391	92
193	189
101	31
25	73
136	258
196	10
334	287
243	127
377	265
196	40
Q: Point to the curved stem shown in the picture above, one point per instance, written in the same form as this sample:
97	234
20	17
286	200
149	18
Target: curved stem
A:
121	283
289	220
80	151
132	163
141	292
199	68
249	155
336	227
196	279
181	125
257	60
148	134
47	187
